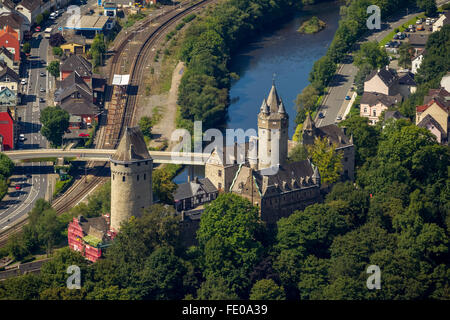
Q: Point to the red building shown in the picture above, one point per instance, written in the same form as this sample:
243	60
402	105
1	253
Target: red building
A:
7	128
10	40
90	236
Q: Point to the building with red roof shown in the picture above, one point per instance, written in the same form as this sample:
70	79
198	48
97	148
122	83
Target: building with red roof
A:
7	128
10	40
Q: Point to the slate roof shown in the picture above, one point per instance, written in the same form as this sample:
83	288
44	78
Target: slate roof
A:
393	115
273	106
8	71
76	106
77	63
192	188
6	52
441	94
132	147
372	98
389	77
30	4
418	40
430	120
12	19
96	227
407	79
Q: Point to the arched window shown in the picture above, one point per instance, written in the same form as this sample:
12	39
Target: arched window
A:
123	178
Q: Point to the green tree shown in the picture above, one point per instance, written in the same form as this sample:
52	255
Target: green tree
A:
53	68
405	53
228	237
98	49
329	161
298	153
322	72
267	289
55	122
39	19
373	54
306	102
429	6
363	71
57	51
6	166
26	48
163	186
215	288
145	124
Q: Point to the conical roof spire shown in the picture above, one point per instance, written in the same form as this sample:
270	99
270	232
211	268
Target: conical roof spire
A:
264	106
132	147
281	109
273	100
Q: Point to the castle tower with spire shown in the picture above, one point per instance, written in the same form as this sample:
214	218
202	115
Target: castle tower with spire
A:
273	123
131	178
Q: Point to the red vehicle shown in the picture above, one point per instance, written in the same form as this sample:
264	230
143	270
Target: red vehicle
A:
18	187
83	135
37	29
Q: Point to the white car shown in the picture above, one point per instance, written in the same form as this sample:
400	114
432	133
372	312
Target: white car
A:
22	137
23	81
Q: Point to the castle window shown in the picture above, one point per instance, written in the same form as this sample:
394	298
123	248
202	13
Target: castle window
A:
113	177
219	173
345	159
145	176
137	177
139	164
123	178
126	165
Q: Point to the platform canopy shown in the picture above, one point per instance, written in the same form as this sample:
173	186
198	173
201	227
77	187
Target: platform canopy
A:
121	79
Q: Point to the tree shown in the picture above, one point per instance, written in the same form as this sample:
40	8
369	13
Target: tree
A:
429	6
360	78
228	236
322	72
56	39
365	137
55	122
329	161
145	124
372	54
26	48
6	166
39	19
57	51
267	289
163	186
53	68
405	51
98	49
298	153
305	102
215	288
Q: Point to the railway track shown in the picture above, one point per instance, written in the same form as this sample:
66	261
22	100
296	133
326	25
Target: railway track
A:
81	187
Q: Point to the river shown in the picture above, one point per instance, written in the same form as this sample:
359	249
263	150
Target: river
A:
281	53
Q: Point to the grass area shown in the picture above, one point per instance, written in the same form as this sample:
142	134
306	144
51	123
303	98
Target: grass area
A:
49	159
402	28
133	18
312	25
62	186
156	115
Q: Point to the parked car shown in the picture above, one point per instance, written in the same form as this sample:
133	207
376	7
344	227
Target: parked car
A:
42	74
83	135
41	100
339	118
18	187
420	27
23	81
347	98
21	137
37	29
42	89
321	116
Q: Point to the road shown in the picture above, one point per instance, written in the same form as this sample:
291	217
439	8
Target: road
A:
334	103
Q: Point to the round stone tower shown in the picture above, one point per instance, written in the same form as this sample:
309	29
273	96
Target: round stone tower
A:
273	136
131	178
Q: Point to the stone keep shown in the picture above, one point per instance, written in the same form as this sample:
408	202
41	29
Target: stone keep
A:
131	178
273	123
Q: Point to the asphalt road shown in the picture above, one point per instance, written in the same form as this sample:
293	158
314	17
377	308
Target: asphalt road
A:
334	104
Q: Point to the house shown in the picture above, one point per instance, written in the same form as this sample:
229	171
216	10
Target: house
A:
417	61
294	187
445	82
30	9
90	236
388	82
10	40
76	63
336	135
73	48
436	106
78	106
441	21
110	9
8	97
8	128
393	114
73	86
17	22
372	104
7	58
7	6
418	40
194	193
9	79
